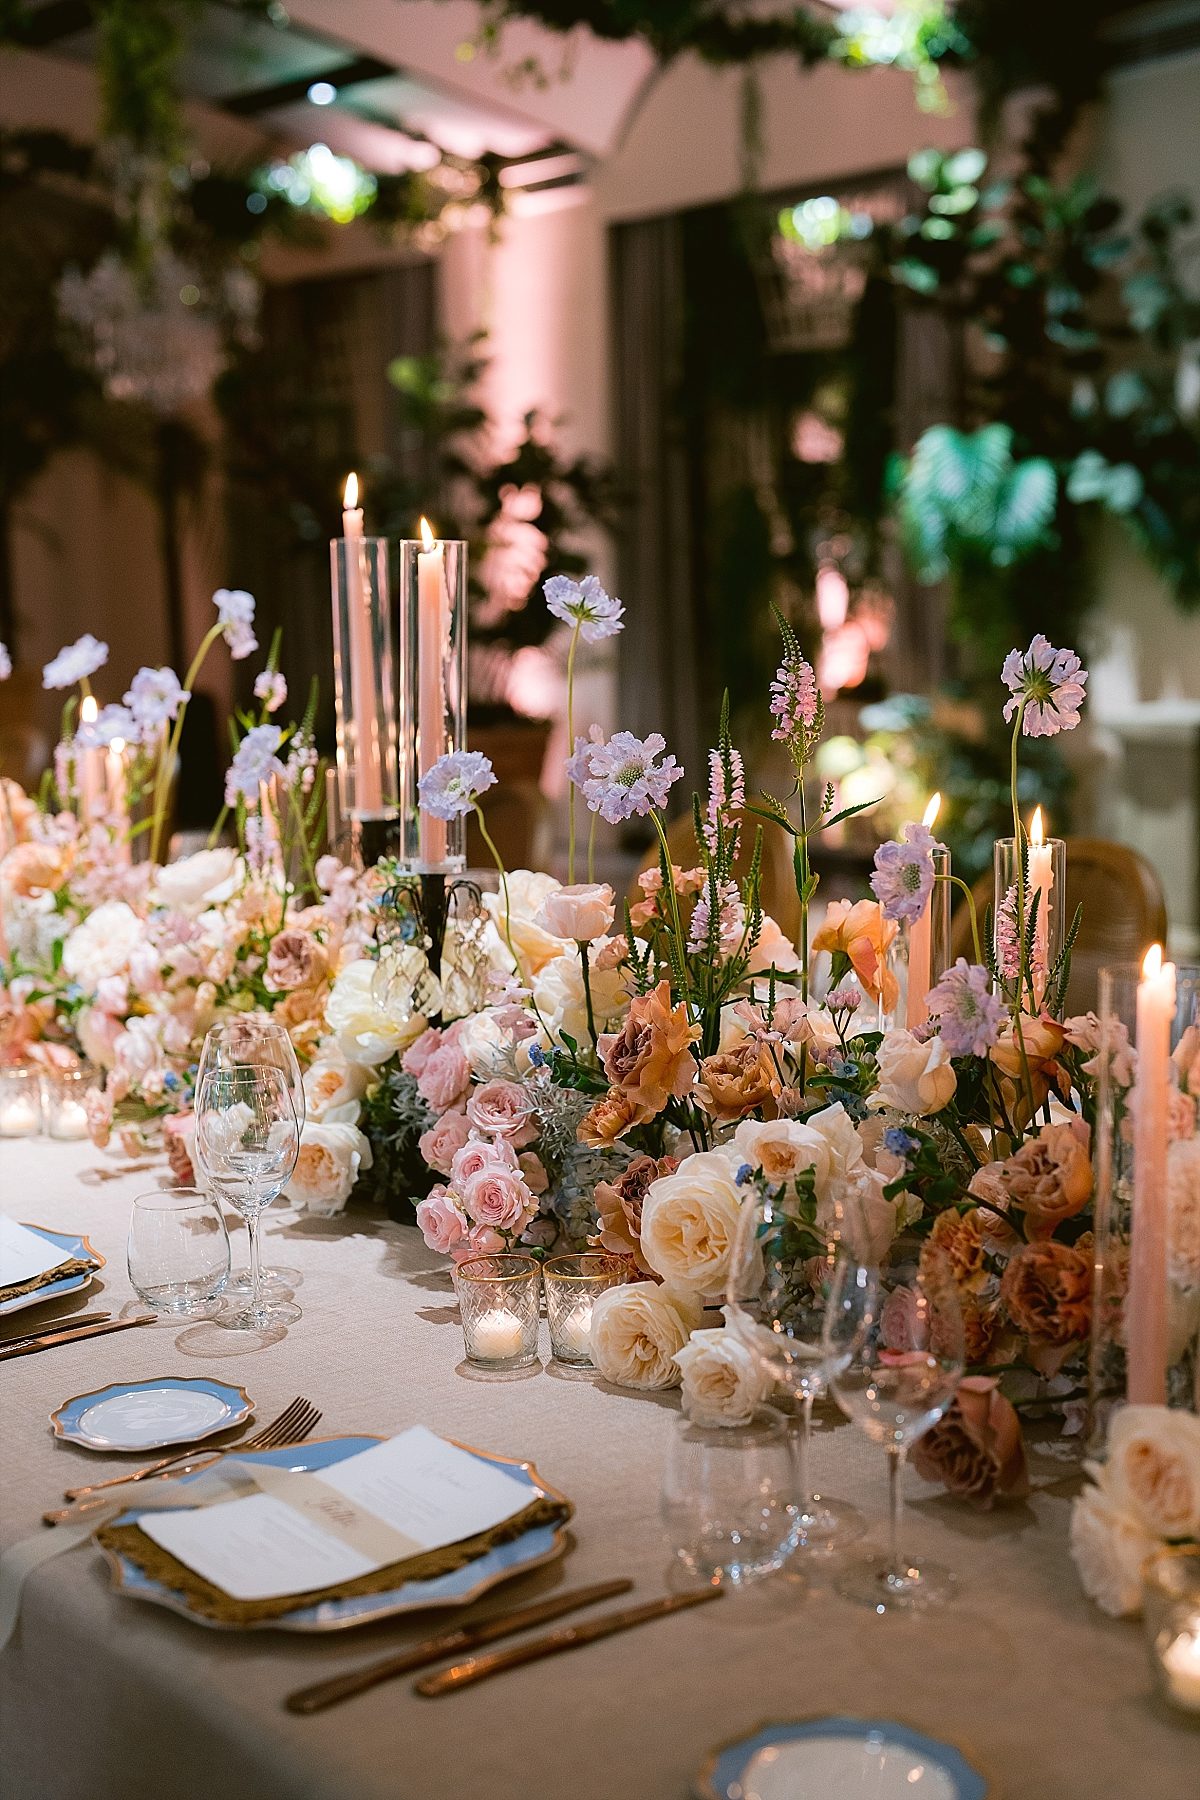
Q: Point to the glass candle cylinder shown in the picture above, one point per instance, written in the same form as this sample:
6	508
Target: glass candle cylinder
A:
1146	1290
572	1284
927	944
364	678
1171	1612
20	1102
499	1298
1044	875
433	692
64	1101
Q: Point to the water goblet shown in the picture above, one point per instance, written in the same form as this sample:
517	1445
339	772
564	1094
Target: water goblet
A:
178	1251
248	1141
238	1042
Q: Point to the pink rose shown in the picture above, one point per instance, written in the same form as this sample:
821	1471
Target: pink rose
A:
482	1241
583	912
900	1327
418	1054
476	1155
98	1107
445	1079
442	1224
294	960
503	1108
497	1197
442	1142
179	1133
533	1171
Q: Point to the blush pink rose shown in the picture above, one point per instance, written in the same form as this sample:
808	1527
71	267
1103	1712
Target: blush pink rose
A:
499	1198
445	1079
417	1055
583	912
442	1225
503	1109
482	1241
900	1327
477	1155
442	1142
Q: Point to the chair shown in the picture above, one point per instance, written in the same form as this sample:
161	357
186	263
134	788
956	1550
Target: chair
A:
778	884
1124	912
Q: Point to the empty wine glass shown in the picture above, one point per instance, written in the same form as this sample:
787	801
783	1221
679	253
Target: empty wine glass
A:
248	1140
905	1338
780	1271
255	1039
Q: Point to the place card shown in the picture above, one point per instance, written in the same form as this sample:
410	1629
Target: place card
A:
314	1530
24	1255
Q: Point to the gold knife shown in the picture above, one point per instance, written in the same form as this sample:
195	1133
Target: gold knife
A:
47	1342
27	1337
479	1668
465	1637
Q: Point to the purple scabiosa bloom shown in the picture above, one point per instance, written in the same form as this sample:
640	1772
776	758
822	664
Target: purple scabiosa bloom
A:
75	662
586	605
271	688
154	698
1051	685
235	613
255	761
111	722
623	776
454	783
969	1014
903	878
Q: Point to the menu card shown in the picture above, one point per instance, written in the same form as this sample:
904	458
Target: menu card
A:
313	1530
24	1255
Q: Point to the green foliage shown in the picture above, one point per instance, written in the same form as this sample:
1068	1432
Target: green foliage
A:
964	496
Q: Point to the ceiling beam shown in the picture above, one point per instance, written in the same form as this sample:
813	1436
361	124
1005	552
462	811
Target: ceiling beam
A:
282	93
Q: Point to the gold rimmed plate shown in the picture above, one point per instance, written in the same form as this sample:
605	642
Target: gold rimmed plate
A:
153	1414
77	1249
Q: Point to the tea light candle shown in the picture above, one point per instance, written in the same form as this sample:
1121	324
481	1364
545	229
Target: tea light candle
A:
1181	1669
68	1119
576	1330
499	1335
20	1113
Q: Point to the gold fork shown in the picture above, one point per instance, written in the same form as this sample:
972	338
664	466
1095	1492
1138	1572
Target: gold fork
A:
294	1424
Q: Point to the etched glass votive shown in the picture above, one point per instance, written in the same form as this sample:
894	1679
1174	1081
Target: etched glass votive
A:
572	1284
500	1300
20	1102
64	1101
1171	1611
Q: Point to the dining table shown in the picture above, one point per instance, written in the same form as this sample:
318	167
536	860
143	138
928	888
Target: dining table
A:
105	1696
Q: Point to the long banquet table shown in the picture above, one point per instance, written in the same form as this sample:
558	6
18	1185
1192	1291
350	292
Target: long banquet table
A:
101	1696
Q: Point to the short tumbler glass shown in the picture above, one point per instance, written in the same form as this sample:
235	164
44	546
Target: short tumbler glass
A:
572	1285
731	1499
500	1299
178	1250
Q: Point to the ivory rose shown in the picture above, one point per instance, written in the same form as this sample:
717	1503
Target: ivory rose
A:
102	944
196	882
914	1077
723	1381
367	1031
835	1126
688	1223
650	1058
638	1329
783	1149
1183	1212
975	1449
862	934
772	950
583	912
1110	1551
331	1158
1152	1470
561	1000
516	923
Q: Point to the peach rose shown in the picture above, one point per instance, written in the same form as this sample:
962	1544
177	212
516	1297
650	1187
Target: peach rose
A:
1040	1039
1047	1290
609	1118
295	960
583	912
33	868
637	1332
1152	1470
619	1204
1050	1178
975	1449
179	1136
958	1238
736	1082
650	1058
861	934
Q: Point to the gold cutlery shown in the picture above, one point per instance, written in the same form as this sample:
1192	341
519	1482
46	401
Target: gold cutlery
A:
466	1637
570	1637
69	1322
294	1423
48	1339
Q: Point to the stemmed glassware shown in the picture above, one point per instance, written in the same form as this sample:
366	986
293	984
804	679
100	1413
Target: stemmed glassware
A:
905	1360
780	1271
255	1039
248	1141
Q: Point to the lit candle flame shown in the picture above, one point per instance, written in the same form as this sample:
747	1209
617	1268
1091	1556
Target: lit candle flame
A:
350	492
428	539
117	746
932	811
1152	963
89	710
1037	830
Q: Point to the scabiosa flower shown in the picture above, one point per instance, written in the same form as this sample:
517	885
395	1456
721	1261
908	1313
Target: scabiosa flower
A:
235	611
454	783
585	604
111	722
1051	684
623	776
255	761
271	688
968	1012
75	662
5	663
726	792
154	698
903	878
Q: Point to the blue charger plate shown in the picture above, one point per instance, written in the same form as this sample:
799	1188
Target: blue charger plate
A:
945	1771
541	1545
156	1419
70	1284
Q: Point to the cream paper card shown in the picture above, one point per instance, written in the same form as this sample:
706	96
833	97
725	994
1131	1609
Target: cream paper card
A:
23	1254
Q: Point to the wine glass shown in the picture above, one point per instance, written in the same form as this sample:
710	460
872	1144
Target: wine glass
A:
248	1140
906	1357
780	1271
255	1039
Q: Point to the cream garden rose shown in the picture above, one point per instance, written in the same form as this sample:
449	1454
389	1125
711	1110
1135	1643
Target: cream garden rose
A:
366	1031
723	1381
102	945
782	1149
1109	1549
532	944
638	1331
583	912
196	882
1152	1471
914	1077
688	1223
331	1157
559	996
333	1088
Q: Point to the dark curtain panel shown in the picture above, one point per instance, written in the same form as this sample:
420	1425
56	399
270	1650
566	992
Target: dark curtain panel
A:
660	686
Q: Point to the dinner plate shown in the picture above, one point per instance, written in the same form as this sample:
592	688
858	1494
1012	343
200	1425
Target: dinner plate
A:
70	1284
839	1758
150	1415
504	1561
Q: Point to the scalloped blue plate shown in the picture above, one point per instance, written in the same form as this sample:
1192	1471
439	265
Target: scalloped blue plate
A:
839	1758
150	1415
541	1545
70	1284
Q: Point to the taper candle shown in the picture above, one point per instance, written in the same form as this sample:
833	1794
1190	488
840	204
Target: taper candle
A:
1146	1304
368	755
1041	887
432	615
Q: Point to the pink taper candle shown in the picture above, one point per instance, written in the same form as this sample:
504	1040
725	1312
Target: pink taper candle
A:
1146	1305
368	758
432	622
916	1004
1041	883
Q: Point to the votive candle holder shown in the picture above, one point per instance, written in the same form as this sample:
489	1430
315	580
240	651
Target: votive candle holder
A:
64	1101
572	1286
500	1300
20	1102
1171	1611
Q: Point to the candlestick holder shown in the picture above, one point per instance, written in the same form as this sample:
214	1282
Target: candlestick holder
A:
364	678
433	956
926	952
433	693
1028	959
1146	1241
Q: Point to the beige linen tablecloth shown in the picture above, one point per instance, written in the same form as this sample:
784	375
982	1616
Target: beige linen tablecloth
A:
102	1698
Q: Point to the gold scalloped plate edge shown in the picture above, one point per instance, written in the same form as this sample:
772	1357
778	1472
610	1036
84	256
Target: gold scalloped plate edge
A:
172	1602
702	1781
243	1418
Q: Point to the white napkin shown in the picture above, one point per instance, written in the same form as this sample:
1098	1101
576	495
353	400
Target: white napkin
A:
24	1255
